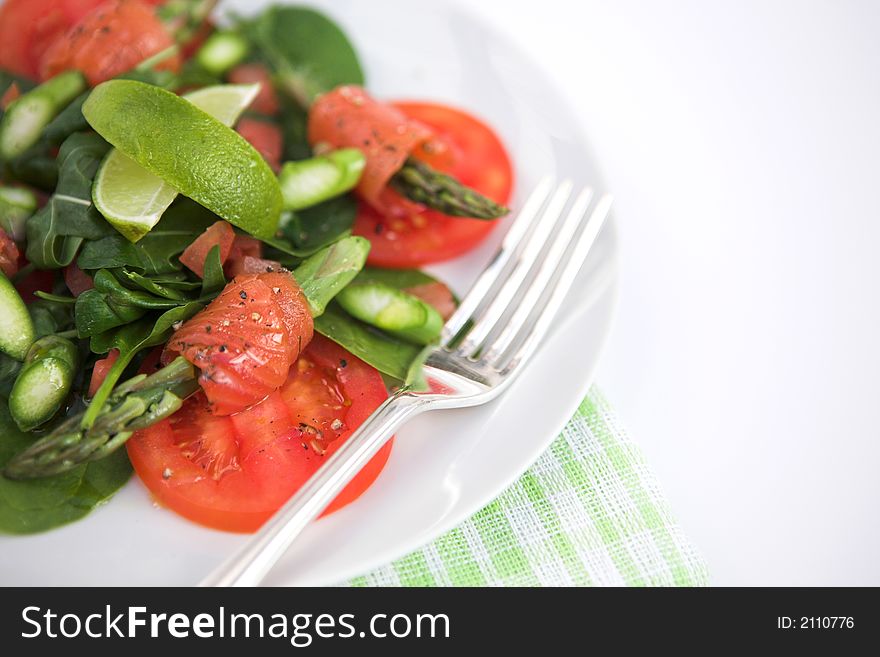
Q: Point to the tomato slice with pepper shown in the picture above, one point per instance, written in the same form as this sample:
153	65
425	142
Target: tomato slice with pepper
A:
233	472
409	235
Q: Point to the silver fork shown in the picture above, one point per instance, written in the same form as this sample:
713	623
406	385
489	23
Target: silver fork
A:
482	349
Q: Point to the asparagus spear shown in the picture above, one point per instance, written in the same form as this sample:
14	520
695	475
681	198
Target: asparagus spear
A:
26	117
392	310
422	184
145	400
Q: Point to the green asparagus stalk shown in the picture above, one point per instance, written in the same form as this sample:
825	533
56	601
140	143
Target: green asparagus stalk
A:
24	120
422	184
135	404
145	400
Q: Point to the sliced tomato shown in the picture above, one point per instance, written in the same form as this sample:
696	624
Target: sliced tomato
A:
348	117
266	101
77	280
220	234
406	234
265	137
99	372
112	38
245	341
436	294
234	472
9	254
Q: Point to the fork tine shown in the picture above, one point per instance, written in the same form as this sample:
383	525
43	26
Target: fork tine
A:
537	283
497	305
481	288
530	336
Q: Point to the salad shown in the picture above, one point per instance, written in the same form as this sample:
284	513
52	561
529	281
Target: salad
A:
209	244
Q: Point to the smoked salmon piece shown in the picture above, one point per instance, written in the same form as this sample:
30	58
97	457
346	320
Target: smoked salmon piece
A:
246	339
348	117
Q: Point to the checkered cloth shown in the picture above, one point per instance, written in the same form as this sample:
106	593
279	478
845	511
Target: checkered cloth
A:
588	512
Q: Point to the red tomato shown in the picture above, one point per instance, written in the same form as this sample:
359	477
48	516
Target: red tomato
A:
251	265
234	472
245	341
349	118
38	280
242	245
220	234
12	93
29	27
435	294
409	235
265	137
8	254
266	101
99	372
111	39
77	280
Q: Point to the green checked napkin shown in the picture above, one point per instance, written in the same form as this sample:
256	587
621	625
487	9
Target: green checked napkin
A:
588	512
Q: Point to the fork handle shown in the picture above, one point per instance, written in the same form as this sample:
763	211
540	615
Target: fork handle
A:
257	556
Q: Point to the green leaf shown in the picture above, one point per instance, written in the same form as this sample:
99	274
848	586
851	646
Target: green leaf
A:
314	228
294	129
96	313
56	232
169	289
9	368
213	280
397	278
68	121
129	340
387	354
37	167
309	53
156	253
49	316
111	304
39	504
322	275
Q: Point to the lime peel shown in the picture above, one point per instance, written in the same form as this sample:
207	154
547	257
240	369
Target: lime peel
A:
181	148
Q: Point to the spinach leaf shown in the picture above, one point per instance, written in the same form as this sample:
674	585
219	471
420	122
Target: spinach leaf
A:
67	122
398	278
166	288
111	304
309	53
40	504
387	354
37	167
294	130
9	368
56	232
129	340
314	228
213	280
49	316
156	253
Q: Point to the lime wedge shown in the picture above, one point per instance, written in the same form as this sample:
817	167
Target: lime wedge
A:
166	144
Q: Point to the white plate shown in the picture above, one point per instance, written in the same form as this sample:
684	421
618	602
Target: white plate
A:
445	465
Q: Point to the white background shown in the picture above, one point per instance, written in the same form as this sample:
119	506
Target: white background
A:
742	142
